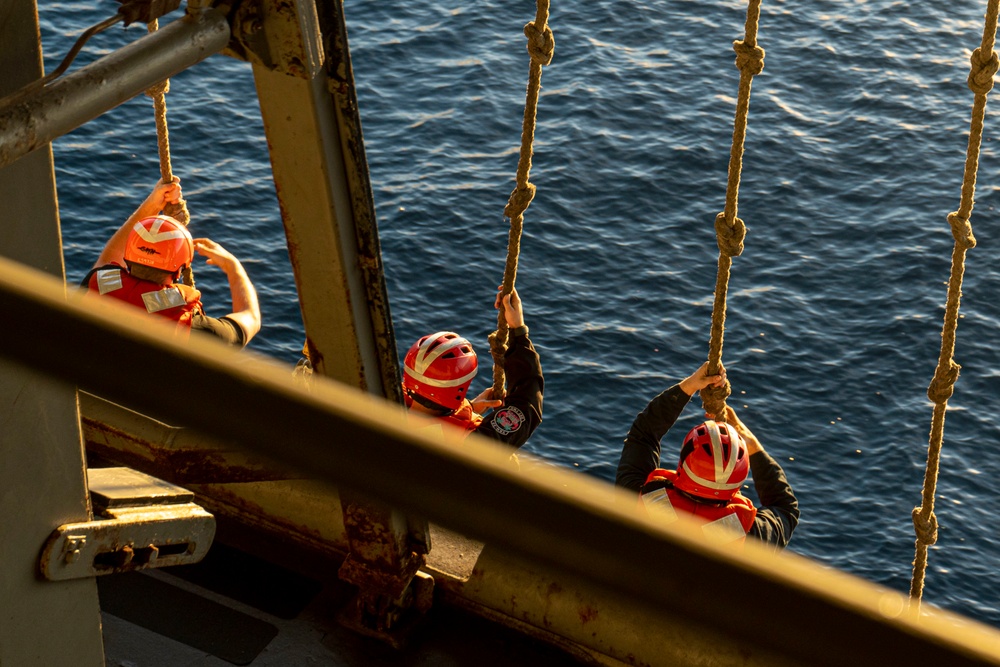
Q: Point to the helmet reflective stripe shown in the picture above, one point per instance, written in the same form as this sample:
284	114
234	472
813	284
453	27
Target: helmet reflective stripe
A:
154	235
109	280
723	469
426	357
170	297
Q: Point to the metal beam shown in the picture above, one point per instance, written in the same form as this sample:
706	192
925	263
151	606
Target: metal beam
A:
307	99
42	473
555	517
31	121
321	178
177	455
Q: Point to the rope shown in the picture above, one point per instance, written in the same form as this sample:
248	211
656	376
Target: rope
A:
541	45
179	210
729	229
984	66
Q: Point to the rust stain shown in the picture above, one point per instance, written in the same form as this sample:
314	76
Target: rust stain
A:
587	614
182	466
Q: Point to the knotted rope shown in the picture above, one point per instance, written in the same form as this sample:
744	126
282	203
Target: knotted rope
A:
729	229
179	210
984	66
541	45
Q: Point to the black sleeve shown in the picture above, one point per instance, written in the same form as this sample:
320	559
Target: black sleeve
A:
521	413
641	452
222	328
779	511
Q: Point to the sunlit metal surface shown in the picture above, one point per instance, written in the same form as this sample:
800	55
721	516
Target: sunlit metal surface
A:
556	518
30	122
140	522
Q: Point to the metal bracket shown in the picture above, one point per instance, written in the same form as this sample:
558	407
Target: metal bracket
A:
143	523
285	37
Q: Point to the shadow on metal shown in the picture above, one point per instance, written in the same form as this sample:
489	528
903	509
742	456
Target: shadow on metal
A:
555	518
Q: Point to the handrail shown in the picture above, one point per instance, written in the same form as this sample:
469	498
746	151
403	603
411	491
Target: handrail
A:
361	442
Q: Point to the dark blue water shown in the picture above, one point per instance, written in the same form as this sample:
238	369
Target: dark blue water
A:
854	158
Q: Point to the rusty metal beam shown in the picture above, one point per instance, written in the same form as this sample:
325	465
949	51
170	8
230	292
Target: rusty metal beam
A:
32	121
556	517
321	178
177	455
308	103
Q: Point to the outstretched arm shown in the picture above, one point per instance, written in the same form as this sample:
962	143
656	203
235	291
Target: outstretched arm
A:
641	451
162	194
514	315
246	309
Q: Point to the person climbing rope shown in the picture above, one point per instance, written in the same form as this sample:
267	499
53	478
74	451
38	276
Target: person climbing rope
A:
141	262
439	368
714	462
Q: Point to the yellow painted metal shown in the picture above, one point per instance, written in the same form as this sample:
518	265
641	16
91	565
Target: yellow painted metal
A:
307	100
559	520
42	475
597	624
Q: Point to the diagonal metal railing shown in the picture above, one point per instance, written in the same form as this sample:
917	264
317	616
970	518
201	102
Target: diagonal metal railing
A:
555	518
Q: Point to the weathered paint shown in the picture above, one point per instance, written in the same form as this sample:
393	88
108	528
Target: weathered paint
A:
176	455
42	475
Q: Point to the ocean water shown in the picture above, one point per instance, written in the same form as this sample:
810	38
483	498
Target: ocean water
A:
854	157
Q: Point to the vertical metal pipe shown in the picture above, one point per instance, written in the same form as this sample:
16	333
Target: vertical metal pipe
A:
30	122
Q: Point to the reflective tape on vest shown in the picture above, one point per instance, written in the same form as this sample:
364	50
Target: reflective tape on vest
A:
725	530
658	504
109	280
169	297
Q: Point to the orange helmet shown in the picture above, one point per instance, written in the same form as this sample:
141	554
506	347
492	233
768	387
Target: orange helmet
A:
160	242
440	368
714	461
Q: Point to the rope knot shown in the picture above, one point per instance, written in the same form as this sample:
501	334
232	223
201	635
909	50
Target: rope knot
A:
730	237
497	348
984	68
178	212
943	384
749	58
541	43
159	89
713	399
519	200
961	229
926	528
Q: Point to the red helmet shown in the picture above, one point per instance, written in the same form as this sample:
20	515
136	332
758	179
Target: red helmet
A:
714	461
440	368
160	242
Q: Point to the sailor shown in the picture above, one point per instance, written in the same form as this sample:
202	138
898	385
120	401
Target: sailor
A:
714	461
141	265
439	368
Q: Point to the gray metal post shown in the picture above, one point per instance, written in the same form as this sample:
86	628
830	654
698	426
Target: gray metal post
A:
42	475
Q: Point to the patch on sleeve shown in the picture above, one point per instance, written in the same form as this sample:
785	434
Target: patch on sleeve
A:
507	420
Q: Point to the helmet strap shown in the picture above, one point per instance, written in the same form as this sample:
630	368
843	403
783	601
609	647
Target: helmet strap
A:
429	404
719	502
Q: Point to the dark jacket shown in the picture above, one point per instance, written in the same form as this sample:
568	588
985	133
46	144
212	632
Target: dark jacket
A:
521	412
779	511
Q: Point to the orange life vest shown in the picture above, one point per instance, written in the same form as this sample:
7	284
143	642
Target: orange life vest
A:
174	302
723	523
465	417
